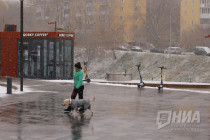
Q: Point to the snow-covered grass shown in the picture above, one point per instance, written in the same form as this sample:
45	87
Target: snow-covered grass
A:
180	68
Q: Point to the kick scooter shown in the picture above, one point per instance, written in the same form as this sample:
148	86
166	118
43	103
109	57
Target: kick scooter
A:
161	82
86	76
141	84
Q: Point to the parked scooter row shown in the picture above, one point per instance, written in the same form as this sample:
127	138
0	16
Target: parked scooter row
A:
141	84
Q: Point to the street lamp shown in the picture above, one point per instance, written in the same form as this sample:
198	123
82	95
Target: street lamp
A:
170	24
55	26
21	45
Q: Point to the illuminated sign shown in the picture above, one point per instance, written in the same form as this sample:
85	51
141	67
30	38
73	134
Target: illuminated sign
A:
65	35
35	34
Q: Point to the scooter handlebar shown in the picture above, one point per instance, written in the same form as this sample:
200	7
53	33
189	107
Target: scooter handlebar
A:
138	65
162	67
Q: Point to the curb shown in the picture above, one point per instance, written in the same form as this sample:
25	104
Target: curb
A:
165	85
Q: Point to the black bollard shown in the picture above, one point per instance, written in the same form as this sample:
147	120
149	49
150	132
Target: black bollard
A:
9	85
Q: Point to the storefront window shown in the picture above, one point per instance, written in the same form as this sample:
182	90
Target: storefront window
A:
43	58
0	56
59	59
25	59
50	59
68	58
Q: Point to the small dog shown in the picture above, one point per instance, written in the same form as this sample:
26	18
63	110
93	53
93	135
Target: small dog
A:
75	104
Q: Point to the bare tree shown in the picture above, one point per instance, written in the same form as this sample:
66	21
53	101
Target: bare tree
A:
139	27
3	12
194	37
158	22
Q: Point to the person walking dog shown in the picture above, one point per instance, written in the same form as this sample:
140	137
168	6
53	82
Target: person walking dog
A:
78	84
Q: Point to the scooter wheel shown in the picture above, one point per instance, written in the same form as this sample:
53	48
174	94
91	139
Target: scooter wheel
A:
138	86
88	80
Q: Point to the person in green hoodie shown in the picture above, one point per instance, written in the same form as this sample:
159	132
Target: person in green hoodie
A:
78	84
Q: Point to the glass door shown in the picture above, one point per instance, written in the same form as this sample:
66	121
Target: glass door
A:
59	59
25	59
34	60
51	60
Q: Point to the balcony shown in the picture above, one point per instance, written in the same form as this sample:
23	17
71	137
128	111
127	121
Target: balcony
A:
205	16
205	5
205	25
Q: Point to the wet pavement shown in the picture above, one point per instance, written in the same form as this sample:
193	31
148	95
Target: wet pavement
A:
120	113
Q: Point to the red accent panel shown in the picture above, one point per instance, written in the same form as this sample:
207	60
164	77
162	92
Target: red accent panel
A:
9	57
57	35
208	36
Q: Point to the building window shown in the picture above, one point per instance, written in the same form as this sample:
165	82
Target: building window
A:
192	2
185	23
193	12
0	56
136	9
205	10
185	13
47	58
126	37
122	18
121	9
185	3
122	0
192	22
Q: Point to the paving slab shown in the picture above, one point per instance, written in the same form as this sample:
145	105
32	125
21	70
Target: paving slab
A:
120	113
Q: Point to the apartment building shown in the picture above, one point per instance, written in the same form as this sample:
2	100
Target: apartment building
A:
205	13
86	14
132	15
190	14
194	12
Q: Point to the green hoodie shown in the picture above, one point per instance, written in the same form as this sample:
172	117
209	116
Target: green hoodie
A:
78	79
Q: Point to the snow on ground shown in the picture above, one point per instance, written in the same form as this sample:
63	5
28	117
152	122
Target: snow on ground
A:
172	89
97	82
3	90
133	81
27	89
180	68
151	82
60	81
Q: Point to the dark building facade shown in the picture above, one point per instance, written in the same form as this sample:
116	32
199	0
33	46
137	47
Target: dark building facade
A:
47	55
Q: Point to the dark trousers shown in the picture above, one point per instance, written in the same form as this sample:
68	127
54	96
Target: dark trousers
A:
77	91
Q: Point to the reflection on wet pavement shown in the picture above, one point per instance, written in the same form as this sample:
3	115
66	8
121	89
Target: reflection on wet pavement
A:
34	112
120	113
